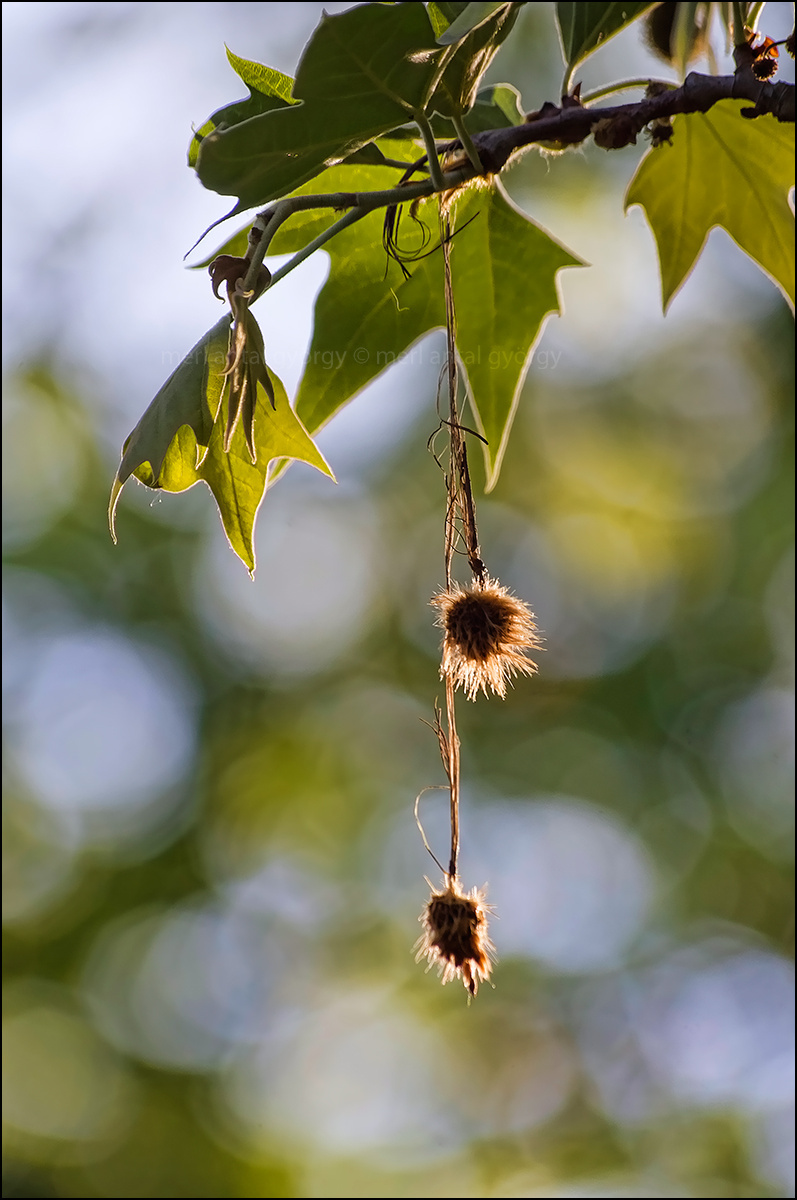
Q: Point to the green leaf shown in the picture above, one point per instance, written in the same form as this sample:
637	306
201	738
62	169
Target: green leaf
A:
502	100
497	106
264	80
366	315
268	90
720	169
238	485
188	397
504	279
180	442
688	31
584	27
470	18
443	13
472	56
363	72
503	271
302	227
368	155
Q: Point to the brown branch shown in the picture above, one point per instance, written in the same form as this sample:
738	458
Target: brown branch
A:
572	123
567	125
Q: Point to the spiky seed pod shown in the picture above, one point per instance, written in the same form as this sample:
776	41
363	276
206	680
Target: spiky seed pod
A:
488	634
454	937
764	68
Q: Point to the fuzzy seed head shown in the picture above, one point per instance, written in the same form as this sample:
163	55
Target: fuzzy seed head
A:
454	937
488	634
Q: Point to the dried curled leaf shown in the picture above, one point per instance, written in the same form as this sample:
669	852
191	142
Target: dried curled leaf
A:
245	367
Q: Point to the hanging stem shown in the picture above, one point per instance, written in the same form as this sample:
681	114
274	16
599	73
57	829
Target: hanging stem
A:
453	775
453	413
452	505
460	491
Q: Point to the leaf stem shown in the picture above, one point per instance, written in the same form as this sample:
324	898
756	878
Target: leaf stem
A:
435	172
739	38
269	224
453	775
467	144
399	163
624	85
349	218
570	71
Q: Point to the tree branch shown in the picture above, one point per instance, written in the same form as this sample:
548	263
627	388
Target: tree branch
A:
570	125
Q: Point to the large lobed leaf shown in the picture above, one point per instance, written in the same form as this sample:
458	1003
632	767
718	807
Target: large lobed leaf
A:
180	442
497	106
364	73
504	270
720	170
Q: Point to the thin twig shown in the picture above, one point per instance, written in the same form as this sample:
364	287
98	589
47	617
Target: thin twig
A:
433	787
349	218
460	489
453	775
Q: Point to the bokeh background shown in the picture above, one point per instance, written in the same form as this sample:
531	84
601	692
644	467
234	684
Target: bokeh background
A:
212	870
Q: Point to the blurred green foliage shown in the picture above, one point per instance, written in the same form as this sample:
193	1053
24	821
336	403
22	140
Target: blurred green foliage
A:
268	898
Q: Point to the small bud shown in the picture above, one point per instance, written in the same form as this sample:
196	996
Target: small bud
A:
660	132
612	133
229	269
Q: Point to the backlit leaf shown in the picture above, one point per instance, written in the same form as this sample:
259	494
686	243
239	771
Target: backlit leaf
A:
268	90
238	485
503	269
188	397
470	18
584	27
180	442
472	56
363	72
720	170
359	176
